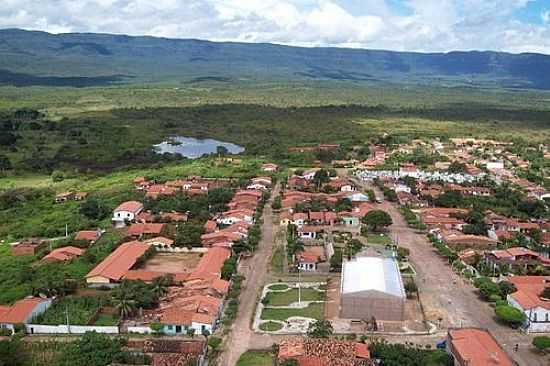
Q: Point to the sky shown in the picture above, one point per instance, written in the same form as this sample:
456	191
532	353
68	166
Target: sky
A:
402	25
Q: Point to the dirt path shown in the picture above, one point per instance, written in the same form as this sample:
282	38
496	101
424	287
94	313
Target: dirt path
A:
255	271
448	296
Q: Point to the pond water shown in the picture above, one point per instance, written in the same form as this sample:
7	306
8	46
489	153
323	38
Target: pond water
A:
193	148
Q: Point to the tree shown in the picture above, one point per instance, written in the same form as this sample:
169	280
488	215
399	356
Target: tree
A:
343	204
92	349
229	268
189	234
321	177
58	176
545	293
457	167
290	362
124	302
450	199
221	150
506	288
336	261
277	203
5	163
94	209
377	219
510	315
541	343
320	329
11	352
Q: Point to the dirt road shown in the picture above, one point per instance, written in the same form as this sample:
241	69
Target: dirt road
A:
255	271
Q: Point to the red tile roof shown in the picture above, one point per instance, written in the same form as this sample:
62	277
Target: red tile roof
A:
477	347
130	206
63	254
20	311
147	228
88	235
115	266
211	263
528	291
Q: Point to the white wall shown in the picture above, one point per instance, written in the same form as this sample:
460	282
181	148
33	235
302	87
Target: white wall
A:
140	330
541	325
73	329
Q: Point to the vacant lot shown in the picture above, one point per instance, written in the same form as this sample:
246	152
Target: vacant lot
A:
288	297
173	262
256	358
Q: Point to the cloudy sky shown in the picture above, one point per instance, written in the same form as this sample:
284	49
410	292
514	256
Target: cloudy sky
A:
415	25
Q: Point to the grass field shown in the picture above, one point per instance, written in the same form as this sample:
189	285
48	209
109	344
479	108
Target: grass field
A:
256	358
79	309
315	311
277	260
279	287
378	239
271	326
291	296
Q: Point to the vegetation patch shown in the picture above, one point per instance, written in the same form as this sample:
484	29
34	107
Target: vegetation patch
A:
279	287
79	310
291	296
314	311
256	358
271	326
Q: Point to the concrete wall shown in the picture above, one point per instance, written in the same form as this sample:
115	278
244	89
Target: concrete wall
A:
72	329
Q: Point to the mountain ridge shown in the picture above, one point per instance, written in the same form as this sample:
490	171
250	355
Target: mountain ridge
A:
91	59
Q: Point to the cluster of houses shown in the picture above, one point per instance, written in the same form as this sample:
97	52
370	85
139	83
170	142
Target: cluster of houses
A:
194	186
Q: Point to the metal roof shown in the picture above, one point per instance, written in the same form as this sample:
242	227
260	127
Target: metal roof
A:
372	274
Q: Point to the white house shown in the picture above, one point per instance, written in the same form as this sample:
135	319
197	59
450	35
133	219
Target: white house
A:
528	299
234	216
127	211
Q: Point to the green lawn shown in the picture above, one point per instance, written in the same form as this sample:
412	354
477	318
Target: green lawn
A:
315	311
278	287
271	326
256	358
378	239
277	260
290	296
107	320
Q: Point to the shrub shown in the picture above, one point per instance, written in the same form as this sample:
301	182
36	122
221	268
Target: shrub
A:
542	343
510	315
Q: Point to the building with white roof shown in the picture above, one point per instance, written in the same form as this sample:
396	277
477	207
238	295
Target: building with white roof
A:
372	287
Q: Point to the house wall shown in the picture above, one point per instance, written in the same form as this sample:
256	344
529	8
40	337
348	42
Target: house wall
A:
38	309
98	280
307	266
360	306
140	330
123	215
197	327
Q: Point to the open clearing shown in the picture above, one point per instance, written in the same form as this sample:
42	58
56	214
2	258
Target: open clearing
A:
173	262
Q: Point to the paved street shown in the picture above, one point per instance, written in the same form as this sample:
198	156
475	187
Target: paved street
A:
255	271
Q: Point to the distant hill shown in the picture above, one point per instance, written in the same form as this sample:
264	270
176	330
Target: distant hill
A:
39	58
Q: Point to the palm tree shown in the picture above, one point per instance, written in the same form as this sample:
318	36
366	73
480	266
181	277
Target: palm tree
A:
125	304
159	285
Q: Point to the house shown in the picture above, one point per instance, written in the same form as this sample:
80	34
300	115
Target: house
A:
518	257
475	347
22	312
233	216
198	313
309	231
139	231
270	167
156	190
528	299
447	218
342	185
88	236
111	270
324	352
63	254
310	257
126	212
166	352
350	219
80	196
372	286
28	247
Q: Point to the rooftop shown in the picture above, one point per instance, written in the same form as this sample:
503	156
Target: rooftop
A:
477	347
372	274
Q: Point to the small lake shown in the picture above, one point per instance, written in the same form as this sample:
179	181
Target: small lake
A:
193	148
